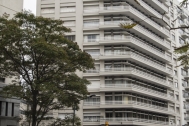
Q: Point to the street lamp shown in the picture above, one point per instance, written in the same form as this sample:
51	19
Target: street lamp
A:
90	96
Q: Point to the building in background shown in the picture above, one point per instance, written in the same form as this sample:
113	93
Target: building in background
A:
136	81
9	108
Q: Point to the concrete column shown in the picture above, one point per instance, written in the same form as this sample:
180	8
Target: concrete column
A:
16	109
57	9
9	109
3	108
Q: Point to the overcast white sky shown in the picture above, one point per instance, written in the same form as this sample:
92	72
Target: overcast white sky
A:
30	5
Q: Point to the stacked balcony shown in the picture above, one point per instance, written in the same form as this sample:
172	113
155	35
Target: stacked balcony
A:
140	55
138	29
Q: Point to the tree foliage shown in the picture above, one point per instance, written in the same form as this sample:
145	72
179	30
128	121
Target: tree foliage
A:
35	50
68	121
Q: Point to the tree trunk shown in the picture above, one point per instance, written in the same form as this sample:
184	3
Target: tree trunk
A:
34	107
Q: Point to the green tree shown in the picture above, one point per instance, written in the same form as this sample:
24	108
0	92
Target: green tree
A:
67	121
35	49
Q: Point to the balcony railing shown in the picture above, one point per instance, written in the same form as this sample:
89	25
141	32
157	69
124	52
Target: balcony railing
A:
134	103
135	87
154	11
91	103
160	4
134	40
134	120
116	23
142	73
137	71
141	57
186	118
151	21
91	119
92	71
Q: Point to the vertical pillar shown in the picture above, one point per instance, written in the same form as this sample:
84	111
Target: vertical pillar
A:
3	108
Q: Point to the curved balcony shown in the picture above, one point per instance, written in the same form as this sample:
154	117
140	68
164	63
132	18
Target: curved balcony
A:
133	121
137	15
138	29
136	57
135	104
138	73
162	8
136	88
130	40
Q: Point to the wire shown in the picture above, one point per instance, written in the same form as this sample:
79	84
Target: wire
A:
8	8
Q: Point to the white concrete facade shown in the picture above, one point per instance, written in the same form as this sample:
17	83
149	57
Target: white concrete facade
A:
136	81
10	7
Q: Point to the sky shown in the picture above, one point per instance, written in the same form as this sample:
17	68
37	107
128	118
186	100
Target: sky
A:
30	5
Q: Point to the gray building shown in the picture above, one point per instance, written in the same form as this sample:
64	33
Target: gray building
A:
9	108
136	81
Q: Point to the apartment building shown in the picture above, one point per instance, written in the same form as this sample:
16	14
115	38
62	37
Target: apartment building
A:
10	107
136	81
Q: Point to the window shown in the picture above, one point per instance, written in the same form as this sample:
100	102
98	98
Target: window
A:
91	117
173	37
172	25
93	8
93	99
6	109
175	61
177	97
12	109
181	41
95	83
175	72
178	122
91	23
2	80
91	38
67	9
63	115
177	110
184	72
184	83
47	10
70	37
95	52
69	23
176	84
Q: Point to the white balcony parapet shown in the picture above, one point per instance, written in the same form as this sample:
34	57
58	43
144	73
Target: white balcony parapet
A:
91	103
166	31
154	11
135	87
141	58
91	119
133	120
118	8
134	103
116	23
92	71
141	73
160	4
133	40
